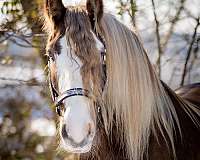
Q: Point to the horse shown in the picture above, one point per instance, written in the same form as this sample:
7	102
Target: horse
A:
110	102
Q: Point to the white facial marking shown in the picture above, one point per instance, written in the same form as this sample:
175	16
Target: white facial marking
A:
68	68
77	116
99	44
67	3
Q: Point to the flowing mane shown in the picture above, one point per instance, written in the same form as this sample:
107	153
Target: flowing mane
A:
134	95
131	111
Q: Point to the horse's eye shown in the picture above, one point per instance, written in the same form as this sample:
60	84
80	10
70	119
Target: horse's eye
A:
60	110
50	58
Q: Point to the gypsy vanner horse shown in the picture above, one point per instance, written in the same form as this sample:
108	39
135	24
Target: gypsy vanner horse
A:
111	103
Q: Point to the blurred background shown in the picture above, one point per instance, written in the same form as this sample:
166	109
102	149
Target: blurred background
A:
169	30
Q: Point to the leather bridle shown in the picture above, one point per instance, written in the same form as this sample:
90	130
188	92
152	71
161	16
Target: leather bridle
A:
58	98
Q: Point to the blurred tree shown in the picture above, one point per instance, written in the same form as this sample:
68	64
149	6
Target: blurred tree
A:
23	27
23	22
16	141
128	7
165	28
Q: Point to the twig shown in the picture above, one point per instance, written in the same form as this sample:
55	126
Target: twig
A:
20	82
173	23
160	51
29	45
13	38
189	51
14	34
133	11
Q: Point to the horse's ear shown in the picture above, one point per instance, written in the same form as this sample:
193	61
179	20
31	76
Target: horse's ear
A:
95	9
55	10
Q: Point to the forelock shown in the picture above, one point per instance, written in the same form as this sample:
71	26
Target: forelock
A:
77	29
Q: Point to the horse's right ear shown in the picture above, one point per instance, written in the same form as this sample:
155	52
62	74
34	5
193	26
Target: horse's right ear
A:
55	10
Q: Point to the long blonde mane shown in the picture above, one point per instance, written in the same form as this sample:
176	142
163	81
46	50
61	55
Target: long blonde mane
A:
134	97
134	94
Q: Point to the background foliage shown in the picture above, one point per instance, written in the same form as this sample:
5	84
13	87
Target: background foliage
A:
24	96
21	30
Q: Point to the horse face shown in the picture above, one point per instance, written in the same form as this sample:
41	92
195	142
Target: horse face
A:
77	122
76	53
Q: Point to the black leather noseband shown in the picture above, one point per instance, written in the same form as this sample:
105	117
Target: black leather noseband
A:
71	93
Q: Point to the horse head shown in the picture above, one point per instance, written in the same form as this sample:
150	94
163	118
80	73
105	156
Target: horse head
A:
75	69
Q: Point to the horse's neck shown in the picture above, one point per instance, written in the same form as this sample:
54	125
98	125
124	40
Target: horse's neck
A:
188	113
184	97
176	100
109	148
185	104
190	93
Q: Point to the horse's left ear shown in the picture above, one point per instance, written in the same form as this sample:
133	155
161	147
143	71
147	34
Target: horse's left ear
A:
95	9
55	10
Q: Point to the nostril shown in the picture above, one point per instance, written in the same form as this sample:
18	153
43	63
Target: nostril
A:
64	132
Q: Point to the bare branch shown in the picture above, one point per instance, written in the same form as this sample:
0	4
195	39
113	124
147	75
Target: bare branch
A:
20	82
133	11
160	51
23	39
189	52
173	23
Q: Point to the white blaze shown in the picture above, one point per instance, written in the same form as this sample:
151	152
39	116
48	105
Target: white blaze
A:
68	68
77	115
67	3
99	45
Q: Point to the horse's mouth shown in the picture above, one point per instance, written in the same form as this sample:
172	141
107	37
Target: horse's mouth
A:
78	150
